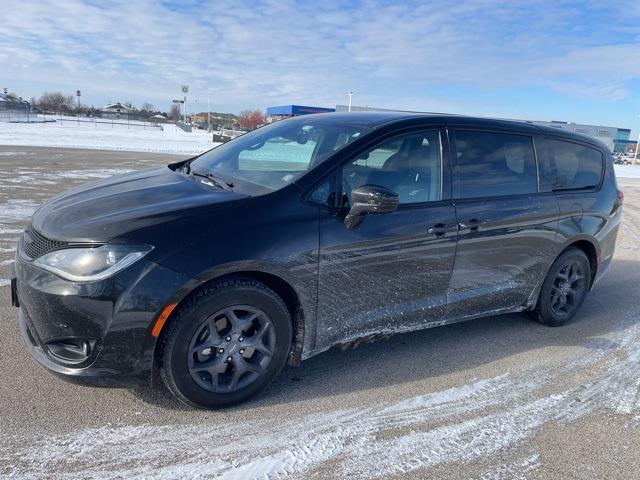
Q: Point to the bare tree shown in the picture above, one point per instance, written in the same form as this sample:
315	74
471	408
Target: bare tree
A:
147	109
174	114
250	119
56	102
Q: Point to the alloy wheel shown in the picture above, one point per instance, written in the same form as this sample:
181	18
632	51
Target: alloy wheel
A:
231	349
568	289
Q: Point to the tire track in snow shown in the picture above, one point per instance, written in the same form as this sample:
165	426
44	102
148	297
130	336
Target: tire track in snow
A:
459	424
513	471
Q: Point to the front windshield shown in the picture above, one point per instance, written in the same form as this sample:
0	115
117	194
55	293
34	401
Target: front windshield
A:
275	155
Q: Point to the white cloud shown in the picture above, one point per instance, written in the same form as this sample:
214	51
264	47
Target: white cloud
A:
259	53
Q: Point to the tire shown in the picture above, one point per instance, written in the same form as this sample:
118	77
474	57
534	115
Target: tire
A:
227	343
569	279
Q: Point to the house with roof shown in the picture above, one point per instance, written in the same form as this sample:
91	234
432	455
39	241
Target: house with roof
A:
119	110
12	102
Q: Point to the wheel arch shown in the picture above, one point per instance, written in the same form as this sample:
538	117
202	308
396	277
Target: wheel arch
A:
590	250
275	282
584	243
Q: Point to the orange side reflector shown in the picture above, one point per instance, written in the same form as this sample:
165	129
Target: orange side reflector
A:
162	318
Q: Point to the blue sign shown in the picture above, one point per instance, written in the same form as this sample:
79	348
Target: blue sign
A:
294	110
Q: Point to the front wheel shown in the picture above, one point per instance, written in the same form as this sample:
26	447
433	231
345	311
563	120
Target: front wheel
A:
226	344
564	289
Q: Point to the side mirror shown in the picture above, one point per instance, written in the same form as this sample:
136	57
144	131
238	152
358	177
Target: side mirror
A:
370	200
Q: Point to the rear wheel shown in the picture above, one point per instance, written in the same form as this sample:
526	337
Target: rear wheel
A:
226	344
564	289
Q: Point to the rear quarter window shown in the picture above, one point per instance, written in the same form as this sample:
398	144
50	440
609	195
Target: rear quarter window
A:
574	166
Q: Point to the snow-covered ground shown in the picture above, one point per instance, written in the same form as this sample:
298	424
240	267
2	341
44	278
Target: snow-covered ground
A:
169	139
500	398
627	171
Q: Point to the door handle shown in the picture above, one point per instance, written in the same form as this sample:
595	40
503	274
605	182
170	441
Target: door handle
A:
472	224
438	229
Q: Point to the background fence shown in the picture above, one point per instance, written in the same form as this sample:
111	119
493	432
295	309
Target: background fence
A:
24	116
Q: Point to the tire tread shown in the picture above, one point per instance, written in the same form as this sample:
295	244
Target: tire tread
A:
540	313
186	307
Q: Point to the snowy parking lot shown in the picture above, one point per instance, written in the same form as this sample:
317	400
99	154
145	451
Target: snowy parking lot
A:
495	398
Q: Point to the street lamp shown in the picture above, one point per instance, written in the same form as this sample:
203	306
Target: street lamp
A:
350	95
185	90
635	155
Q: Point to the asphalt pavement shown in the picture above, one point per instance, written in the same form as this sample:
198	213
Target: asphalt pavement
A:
495	398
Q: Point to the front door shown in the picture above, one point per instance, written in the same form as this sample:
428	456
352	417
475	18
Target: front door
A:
392	272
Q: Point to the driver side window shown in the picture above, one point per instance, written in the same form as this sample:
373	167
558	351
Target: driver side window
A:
409	165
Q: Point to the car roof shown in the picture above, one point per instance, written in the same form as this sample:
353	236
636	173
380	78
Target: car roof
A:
376	119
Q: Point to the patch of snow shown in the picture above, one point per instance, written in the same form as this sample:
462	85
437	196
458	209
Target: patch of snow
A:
627	171
13	154
16	210
34	180
99	173
170	139
513	471
4	282
381	440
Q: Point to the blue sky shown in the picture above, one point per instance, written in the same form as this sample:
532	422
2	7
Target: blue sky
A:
545	60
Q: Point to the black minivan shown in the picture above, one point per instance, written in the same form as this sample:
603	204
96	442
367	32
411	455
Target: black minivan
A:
325	229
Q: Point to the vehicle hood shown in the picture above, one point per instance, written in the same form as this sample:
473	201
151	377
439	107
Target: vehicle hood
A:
100	211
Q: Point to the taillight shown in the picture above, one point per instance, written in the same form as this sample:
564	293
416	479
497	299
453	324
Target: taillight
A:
621	196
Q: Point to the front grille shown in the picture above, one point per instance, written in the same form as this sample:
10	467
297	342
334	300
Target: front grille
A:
34	244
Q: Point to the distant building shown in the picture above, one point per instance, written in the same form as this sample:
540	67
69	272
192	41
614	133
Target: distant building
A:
158	118
617	139
626	146
355	108
199	118
12	102
118	111
218	120
286	111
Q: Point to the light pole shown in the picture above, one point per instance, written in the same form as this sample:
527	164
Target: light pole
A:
185	90
349	107
208	113
635	155
194	108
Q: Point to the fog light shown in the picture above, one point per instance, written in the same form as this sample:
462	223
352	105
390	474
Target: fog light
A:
71	350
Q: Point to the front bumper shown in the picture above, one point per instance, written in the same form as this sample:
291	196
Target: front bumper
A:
110	320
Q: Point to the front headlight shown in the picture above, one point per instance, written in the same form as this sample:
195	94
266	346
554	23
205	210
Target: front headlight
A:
91	264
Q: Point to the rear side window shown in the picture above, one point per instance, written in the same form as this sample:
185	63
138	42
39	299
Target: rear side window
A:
574	166
494	164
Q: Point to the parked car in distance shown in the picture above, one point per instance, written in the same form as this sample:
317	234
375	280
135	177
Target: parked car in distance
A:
214	272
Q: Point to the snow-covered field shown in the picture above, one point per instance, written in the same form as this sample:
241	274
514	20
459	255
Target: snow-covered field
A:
169	139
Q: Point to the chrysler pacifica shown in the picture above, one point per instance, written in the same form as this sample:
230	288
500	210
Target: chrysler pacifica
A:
213	273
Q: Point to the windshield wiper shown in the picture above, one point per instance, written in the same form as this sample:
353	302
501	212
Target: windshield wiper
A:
186	167
217	181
